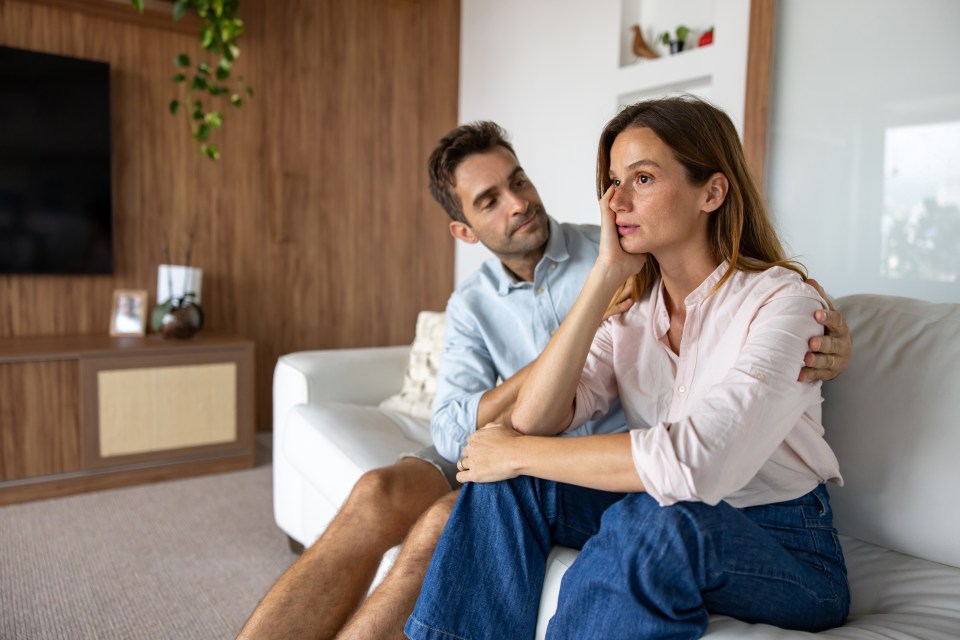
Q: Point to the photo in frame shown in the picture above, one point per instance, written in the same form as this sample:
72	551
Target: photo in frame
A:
129	316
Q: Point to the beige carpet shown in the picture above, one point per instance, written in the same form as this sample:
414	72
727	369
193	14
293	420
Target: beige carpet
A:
180	559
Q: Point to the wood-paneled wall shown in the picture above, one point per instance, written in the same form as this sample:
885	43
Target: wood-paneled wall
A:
315	229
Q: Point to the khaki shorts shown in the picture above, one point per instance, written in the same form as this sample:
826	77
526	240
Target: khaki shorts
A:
446	468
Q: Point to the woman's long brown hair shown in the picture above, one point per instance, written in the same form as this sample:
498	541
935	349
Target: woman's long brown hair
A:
704	141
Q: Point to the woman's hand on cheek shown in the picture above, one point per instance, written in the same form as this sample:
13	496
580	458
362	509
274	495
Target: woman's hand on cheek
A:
486	457
612	256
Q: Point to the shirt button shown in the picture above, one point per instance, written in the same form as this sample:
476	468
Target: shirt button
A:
552	331
760	377
539	290
553	265
682	389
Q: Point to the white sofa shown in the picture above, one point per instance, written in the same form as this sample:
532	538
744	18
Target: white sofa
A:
892	419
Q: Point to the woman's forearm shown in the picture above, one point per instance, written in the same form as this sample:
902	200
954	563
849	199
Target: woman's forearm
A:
496	405
546	399
599	462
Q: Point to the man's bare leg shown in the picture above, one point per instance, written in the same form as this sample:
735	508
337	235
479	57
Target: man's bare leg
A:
384	613
317	594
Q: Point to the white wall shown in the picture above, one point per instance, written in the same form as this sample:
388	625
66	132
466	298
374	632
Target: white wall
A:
553	72
865	124
542	70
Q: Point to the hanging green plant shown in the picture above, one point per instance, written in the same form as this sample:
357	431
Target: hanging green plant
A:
205	83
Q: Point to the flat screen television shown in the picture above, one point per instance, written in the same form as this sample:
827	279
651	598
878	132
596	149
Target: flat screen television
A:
55	205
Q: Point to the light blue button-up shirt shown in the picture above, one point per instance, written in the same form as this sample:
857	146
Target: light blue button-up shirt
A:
497	325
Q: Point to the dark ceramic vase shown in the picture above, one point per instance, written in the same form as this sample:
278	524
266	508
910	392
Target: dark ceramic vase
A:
182	322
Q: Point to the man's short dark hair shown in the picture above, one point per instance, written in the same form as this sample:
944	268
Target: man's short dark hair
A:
454	148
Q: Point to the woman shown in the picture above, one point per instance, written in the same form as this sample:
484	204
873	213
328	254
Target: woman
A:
714	502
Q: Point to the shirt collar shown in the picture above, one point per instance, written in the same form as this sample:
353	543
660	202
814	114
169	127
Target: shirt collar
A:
660	317
699	294
556	251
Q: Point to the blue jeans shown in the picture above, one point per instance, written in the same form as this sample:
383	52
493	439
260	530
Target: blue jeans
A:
645	571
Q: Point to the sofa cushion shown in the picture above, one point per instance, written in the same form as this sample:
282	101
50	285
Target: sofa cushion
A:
892	420
332	458
420	379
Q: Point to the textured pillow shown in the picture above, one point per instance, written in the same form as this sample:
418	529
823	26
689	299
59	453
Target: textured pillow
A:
420	379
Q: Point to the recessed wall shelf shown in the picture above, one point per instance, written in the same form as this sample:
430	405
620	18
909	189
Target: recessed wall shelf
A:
658	16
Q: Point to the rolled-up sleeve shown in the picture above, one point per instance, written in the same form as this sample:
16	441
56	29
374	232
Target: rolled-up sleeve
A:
724	440
466	371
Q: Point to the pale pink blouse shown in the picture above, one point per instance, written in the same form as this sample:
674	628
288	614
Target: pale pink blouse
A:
726	419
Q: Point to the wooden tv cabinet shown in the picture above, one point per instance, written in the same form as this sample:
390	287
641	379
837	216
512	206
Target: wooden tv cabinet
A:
82	413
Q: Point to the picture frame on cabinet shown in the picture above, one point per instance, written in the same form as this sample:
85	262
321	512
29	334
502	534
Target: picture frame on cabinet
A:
129	313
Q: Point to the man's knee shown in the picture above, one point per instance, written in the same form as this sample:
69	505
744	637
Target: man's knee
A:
435	519
397	493
419	546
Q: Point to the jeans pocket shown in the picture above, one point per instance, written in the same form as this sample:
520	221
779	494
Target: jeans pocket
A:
818	521
817	513
827	545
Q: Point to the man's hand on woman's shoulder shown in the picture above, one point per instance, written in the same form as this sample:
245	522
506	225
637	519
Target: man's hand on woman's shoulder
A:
829	354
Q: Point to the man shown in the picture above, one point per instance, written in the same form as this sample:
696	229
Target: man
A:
498	321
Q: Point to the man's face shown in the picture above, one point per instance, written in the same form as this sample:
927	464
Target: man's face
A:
501	204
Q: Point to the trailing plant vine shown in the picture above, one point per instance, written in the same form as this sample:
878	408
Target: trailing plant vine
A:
205	83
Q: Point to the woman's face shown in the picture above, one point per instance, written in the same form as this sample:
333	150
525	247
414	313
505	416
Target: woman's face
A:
657	209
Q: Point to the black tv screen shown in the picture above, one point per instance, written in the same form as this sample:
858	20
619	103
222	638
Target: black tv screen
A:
55	205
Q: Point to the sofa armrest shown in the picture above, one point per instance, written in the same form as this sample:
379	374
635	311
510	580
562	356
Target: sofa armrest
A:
355	376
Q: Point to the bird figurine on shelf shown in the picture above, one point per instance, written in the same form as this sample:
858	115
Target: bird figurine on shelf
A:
640	47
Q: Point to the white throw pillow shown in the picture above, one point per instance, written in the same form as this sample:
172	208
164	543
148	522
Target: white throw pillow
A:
420	379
